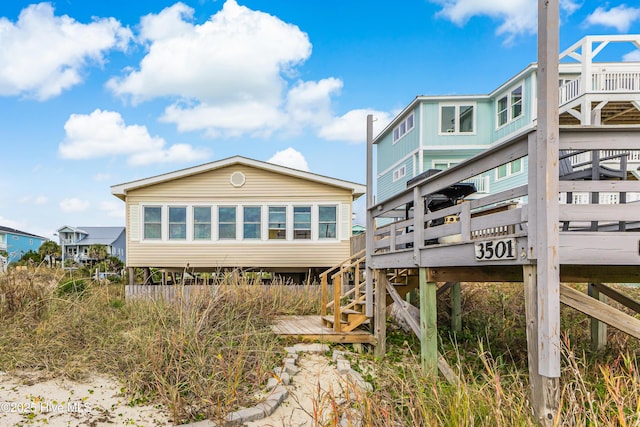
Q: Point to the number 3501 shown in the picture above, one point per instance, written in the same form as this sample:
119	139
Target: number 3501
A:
496	250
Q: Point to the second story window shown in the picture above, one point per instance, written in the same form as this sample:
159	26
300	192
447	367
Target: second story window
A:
403	128
457	119
252	222
177	223
201	223
227	222
302	222
508	169
399	173
509	106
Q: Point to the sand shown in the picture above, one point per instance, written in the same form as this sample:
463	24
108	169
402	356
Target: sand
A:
29	401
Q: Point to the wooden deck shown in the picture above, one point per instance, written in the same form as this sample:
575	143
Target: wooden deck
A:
311	328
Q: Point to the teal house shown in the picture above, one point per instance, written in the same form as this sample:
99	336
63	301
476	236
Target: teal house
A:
16	243
438	132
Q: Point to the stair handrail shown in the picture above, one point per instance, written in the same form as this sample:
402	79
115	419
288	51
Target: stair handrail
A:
324	279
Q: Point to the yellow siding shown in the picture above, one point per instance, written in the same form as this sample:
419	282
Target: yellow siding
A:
260	185
224	254
215	187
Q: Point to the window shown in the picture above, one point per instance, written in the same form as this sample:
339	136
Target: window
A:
30	242
152	222
443	165
401	130
201	223
227	222
509	107
277	222
252	222
177	223
399	173
457	119
509	169
302	222
327	222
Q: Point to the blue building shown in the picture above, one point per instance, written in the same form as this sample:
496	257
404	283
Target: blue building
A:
16	243
75	241
438	132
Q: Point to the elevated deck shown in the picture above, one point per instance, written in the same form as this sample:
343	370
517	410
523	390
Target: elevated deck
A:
494	234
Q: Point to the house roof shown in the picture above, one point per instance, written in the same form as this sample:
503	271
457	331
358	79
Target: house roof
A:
120	190
22	233
96	235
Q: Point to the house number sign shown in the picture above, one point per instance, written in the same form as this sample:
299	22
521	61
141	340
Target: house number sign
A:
491	250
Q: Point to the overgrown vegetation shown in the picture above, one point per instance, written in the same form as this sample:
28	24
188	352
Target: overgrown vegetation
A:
201	358
206	357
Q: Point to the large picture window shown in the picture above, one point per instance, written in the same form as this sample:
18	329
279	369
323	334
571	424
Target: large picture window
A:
177	223
153	222
457	119
327	219
277	222
227	222
252	222
201	223
302	222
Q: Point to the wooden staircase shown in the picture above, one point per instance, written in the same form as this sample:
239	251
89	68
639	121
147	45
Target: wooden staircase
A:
345	309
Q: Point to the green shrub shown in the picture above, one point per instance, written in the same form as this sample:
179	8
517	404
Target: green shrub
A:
71	287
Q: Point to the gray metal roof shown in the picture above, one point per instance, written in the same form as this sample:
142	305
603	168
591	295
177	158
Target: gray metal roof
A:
99	235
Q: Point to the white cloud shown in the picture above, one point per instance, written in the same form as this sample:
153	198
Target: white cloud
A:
233	74
34	200
74	205
113	208
633	56
620	17
516	16
352	126
6	222
104	133
290	158
43	54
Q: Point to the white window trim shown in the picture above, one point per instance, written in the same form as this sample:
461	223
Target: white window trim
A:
215	238
508	94
399	173
509	174
457	116
447	161
407	128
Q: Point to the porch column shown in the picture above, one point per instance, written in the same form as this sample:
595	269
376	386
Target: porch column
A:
428	324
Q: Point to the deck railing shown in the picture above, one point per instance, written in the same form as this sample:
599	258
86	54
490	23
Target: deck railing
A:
408	234
609	82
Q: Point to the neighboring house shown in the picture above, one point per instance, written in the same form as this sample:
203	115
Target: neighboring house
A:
76	241
438	132
238	212
16	243
357	229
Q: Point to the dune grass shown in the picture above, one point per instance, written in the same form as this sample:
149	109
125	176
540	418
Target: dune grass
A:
208	356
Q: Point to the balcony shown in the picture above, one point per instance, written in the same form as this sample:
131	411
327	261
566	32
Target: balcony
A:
606	82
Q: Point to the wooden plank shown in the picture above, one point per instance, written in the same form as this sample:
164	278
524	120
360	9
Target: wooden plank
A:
630	212
418	226
508	217
600	273
428	324
612	248
380	315
544	391
617	296
337	288
600	186
451	210
413	321
490	273
440	231
603	312
512	193
598	328
546	202
613	138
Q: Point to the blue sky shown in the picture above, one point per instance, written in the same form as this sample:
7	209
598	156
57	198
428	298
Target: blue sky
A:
94	94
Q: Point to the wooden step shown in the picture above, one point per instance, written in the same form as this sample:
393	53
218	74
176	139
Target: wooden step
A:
329	320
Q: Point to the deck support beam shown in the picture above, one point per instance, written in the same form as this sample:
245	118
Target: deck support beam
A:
428	324
132	275
544	390
380	317
598	328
